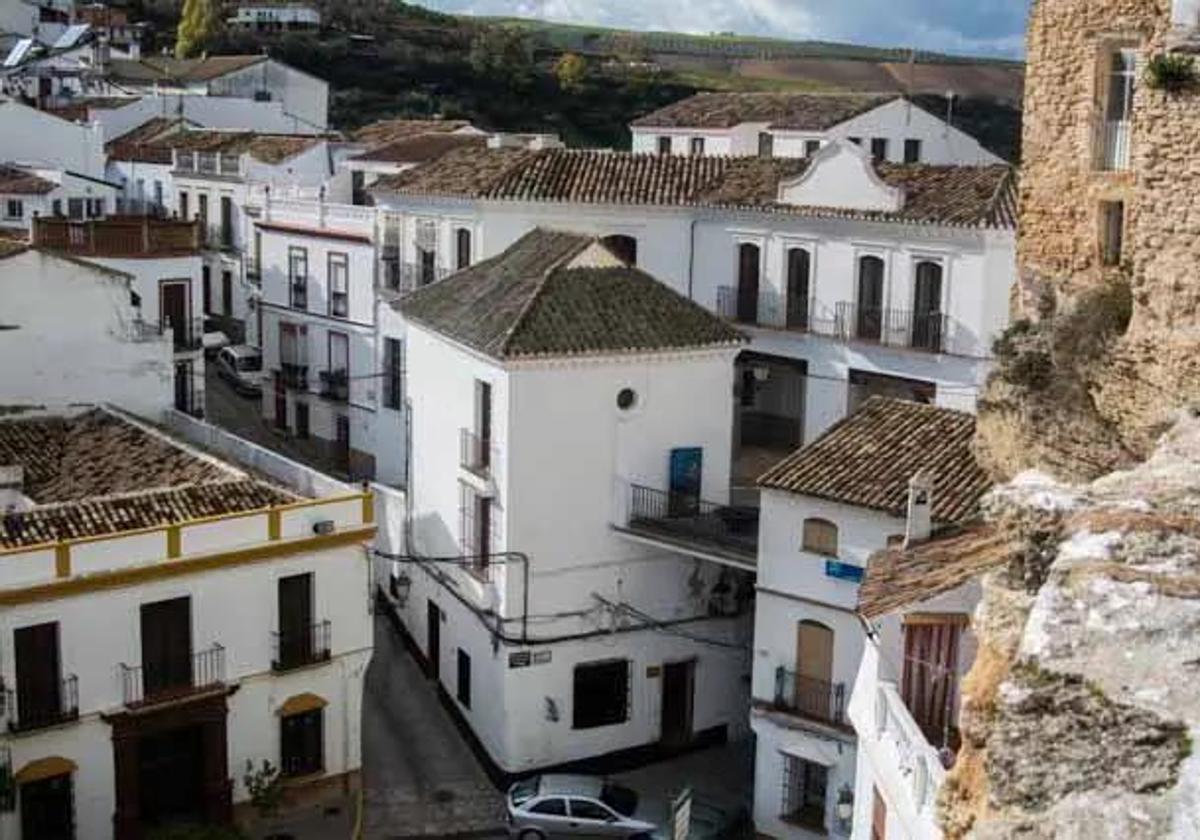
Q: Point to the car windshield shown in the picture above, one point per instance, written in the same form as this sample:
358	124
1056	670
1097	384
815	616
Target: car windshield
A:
620	799
250	363
524	790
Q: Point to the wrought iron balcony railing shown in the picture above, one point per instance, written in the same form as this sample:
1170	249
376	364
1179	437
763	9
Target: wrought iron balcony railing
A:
294	376
335	385
297	649
684	517
475	452
28	710
892	327
808	697
173	678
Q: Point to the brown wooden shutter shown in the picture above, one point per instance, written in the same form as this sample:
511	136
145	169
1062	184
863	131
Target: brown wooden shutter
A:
930	671
36	652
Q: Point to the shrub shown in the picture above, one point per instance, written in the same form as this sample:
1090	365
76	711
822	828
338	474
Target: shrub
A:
265	786
1172	72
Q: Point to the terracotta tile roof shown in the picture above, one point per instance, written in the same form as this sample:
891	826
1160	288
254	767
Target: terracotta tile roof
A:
139	144
96	473
868	458
165	69
545	296
267	148
421	147
383	132
955	196
797	111
320	233
12	243
111	514
899	578
17	181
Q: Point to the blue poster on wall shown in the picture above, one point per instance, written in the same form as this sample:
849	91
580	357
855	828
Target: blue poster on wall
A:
687	469
843	571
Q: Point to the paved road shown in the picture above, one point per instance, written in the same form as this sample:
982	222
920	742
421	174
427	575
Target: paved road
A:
420	777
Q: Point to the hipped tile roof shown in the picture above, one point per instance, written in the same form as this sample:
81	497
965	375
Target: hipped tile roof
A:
382	132
868	459
166	69
267	148
17	181
420	148
146	143
904	577
534	301
952	196
795	111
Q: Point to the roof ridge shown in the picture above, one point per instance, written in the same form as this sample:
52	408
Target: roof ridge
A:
546	275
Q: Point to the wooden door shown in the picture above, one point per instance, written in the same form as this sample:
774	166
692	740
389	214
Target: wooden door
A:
173	309
870	298
295	619
927	307
678	681
47	809
814	668
799	266
747	290
483	421
686	477
38	683
433	641
166	646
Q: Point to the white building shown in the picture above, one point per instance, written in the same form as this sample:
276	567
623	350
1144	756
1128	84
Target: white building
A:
555	448
169	618
162	258
825	510
318	311
27	193
71	334
267	16
891	127
852	278
917	604
255	77
38	139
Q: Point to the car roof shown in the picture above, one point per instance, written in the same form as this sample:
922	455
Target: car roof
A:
562	784
243	350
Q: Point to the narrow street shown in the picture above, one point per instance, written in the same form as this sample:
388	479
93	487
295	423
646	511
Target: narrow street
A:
420	778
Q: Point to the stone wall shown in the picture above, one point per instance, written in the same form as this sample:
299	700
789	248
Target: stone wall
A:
1154	368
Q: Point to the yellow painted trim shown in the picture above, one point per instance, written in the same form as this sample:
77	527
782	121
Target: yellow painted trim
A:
174	541
45	768
62	560
301	703
274	524
137	575
368	507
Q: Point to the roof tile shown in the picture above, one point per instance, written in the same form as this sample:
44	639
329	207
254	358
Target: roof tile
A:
794	111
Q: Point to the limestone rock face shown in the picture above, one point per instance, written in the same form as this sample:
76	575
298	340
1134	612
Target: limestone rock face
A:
1082	709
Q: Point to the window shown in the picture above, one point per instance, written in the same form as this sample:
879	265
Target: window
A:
39	681
14	209
624	248
879	149
804	786
298	277
393	373
95	208
550	807
696	147
811	147
766	144
301	742
158	193
749	262
302	423
585	809
664	145
227	293
75	208
339	285
337	375
869	321
166	645
184	209
799	267
1120	83
202	210
928	325
475	527
857	141
57	207
427	266
626	399
462	248
1112	231
295	600
226	221
601	694
820	537
206	287
463	689
912	151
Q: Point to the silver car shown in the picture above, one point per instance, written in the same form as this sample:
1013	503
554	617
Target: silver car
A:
241	366
552	806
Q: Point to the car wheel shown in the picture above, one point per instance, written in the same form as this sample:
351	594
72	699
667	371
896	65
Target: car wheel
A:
531	834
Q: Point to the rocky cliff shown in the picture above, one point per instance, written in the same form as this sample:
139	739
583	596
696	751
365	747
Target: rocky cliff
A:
1081	711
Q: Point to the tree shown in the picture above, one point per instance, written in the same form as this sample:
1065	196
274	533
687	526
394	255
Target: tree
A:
571	70
503	52
197	26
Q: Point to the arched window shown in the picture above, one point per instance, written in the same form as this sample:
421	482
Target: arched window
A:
747	288
624	247
870	298
820	537
462	246
927	307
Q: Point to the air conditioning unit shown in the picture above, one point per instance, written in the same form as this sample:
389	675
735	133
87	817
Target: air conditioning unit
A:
324	526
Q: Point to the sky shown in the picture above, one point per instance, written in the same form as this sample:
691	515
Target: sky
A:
971	27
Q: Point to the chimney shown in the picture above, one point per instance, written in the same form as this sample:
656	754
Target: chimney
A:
919	522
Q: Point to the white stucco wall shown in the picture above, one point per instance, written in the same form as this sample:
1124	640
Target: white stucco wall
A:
304	97
41	139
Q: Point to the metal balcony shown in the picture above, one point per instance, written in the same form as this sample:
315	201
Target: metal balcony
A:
335	385
684	519
293	649
145	685
810	698
39	710
293	376
908	328
475	453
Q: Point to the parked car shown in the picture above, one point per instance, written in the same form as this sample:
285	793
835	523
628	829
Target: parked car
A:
552	806
214	342
241	366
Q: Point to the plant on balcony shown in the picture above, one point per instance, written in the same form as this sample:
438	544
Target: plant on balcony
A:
1171	72
265	786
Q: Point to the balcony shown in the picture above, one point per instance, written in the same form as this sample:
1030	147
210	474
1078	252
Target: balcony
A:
187	336
39	710
298	293
475	453
914	766
117	237
208	163
415	275
293	376
685	521
252	269
147	685
1115	142
906	328
218	238
810	698
291	650
335	385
